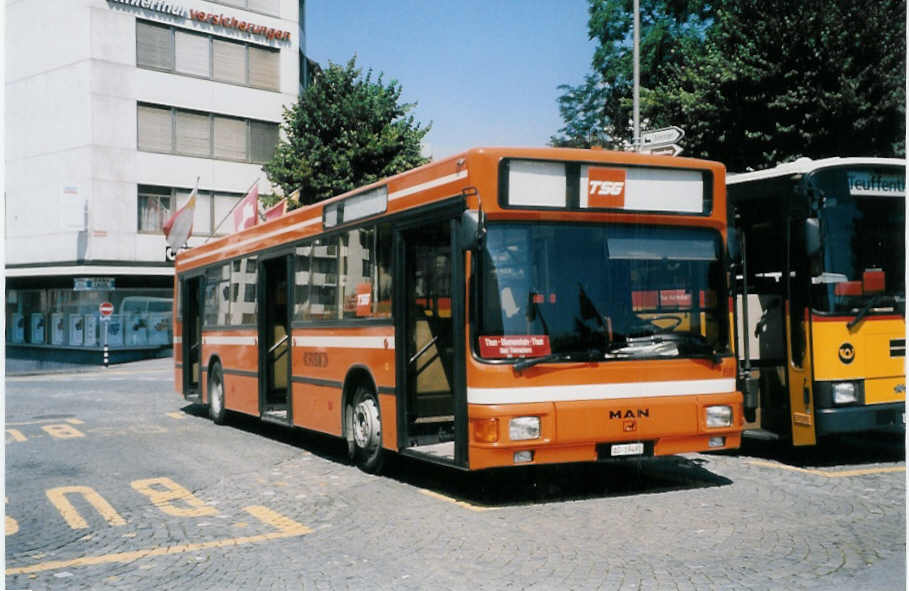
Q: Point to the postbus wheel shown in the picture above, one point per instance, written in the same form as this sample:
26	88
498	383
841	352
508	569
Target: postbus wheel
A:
216	394
364	430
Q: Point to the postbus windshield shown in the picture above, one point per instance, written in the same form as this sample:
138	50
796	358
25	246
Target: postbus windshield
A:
862	217
600	292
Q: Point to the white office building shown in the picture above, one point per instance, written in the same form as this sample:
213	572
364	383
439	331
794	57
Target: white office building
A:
114	109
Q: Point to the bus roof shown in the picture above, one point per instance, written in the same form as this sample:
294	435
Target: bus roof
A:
807	165
446	177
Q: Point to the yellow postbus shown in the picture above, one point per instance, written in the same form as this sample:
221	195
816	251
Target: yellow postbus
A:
820	296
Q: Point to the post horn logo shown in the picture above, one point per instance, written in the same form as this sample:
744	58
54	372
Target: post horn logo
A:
847	353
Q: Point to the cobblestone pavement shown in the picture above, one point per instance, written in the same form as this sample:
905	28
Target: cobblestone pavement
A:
114	482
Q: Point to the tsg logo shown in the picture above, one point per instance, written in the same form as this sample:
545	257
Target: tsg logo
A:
606	187
847	353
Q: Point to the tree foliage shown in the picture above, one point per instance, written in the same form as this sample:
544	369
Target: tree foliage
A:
768	81
346	130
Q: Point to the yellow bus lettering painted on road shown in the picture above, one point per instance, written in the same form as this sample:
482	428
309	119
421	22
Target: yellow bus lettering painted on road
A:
61	431
57	496
173	492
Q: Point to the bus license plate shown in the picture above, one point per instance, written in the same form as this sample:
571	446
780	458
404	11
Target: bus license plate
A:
628	449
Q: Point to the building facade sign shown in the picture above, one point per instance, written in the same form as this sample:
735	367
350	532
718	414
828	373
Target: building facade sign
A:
221	20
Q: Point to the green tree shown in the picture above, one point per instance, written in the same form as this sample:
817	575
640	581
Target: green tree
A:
598	111
346	130
776	80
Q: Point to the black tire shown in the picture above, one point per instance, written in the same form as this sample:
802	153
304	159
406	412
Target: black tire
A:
364	430
216	409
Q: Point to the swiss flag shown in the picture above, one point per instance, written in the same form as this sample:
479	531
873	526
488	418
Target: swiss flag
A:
246	214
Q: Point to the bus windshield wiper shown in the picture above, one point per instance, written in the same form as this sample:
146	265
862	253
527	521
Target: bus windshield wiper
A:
586	355
865	309
685	343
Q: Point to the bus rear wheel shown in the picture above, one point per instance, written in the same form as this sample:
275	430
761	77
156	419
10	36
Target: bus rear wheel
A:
364	430
216	408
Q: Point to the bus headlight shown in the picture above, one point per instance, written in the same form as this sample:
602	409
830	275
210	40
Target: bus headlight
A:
844	393
520	428
719	416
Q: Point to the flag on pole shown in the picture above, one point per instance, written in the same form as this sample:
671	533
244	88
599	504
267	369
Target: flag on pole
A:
276	210
179	227
246	214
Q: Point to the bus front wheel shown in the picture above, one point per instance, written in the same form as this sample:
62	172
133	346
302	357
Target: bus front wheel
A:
216	394
364	430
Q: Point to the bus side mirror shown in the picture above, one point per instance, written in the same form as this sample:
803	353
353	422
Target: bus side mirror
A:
472	230
812	236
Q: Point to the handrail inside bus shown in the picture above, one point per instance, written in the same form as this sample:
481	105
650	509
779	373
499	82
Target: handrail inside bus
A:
424	348
278	344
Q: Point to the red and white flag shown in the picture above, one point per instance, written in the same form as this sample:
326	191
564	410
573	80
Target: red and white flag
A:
179	227
276	210
246	214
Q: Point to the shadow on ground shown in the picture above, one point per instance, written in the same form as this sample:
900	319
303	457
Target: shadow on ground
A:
508	486
840	450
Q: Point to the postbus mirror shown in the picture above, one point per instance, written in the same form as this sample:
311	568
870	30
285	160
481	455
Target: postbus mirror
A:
732	244
812	236
472	230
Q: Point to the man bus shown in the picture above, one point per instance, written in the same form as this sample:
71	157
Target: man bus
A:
822	296
501	307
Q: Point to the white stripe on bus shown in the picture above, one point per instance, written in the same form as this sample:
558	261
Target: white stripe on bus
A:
376	342
229	340
599	391
299	225
428	185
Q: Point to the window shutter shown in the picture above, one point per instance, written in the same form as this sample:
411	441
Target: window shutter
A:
263	68
192	54
154	129
229	61
264	138
153	46
193	134
230	138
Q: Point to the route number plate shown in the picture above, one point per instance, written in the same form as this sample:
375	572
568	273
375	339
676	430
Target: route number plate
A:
627	449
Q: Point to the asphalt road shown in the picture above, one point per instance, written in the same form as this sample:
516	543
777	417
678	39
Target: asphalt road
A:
113	481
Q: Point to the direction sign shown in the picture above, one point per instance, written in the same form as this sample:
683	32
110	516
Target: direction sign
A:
670	150
661	137
106	309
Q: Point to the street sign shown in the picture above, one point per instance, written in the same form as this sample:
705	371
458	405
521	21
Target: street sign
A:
670	150
106	309
661	137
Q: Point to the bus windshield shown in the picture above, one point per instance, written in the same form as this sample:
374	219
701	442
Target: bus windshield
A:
600	292
861	265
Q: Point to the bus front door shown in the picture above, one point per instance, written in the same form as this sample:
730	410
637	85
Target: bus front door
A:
427	330
274	340
191	292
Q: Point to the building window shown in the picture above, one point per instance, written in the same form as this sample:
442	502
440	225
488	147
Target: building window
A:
161	47
154	208
190	133
157	204
271	7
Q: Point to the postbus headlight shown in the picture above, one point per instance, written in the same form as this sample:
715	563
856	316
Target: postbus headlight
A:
520	428
719	416
844	393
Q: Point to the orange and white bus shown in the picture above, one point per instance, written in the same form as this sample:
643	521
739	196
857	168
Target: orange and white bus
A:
500	307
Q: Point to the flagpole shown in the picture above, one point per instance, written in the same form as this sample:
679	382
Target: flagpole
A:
233	208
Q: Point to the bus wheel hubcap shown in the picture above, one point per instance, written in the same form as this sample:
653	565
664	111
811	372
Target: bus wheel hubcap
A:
366	424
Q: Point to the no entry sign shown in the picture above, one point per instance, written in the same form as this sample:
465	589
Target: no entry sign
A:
106	309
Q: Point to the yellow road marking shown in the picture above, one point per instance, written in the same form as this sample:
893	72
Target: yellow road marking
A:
17	435
830	473
57	496
75	421
287	529
61	431
464	504
12	526
176	415
162	498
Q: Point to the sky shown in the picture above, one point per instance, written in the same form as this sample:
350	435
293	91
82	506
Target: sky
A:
483	72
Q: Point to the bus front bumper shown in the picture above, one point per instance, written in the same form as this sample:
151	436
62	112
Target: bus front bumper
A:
852	419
